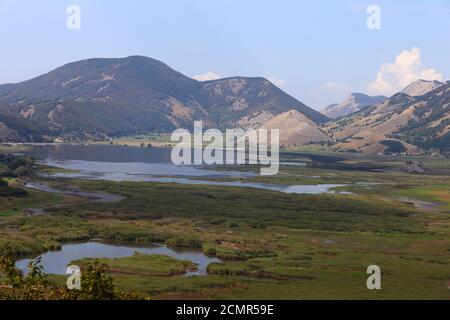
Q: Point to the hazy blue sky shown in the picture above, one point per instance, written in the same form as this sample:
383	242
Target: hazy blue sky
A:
318	51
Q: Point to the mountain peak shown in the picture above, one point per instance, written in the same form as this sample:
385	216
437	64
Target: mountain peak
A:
421	87
296	128
354	102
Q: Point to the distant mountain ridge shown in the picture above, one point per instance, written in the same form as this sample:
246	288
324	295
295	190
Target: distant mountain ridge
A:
354	102
100	97
409	122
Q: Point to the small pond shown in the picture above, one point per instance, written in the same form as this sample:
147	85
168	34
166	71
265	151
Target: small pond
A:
56	262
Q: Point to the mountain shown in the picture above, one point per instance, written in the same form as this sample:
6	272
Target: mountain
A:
353	103
296	128
15	128
328	108
96	98
402	123
99	97
421	87
241	101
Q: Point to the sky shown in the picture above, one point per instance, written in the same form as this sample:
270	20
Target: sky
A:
318	51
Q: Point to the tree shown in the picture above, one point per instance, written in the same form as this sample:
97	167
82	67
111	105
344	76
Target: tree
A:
95	284
33	286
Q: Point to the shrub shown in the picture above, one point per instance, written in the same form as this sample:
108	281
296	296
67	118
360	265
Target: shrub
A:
184	242
95	284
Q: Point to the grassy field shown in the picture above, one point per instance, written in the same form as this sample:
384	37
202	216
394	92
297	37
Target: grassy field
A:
273	245
10	206
143	265
439	193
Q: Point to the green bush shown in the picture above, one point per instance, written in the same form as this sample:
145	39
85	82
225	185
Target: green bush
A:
95	284
184	242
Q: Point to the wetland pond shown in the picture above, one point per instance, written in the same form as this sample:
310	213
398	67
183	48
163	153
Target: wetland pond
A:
56	262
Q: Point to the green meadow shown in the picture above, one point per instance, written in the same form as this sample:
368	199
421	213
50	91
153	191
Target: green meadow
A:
272	245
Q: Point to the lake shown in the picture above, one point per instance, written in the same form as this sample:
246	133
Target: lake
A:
122	163
132	162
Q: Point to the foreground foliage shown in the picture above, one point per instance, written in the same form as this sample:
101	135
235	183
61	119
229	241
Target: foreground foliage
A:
95	284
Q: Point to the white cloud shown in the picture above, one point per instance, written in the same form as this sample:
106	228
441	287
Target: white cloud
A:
277	82
210	75
407	68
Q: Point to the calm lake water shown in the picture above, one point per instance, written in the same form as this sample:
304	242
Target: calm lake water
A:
56	262
121	163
